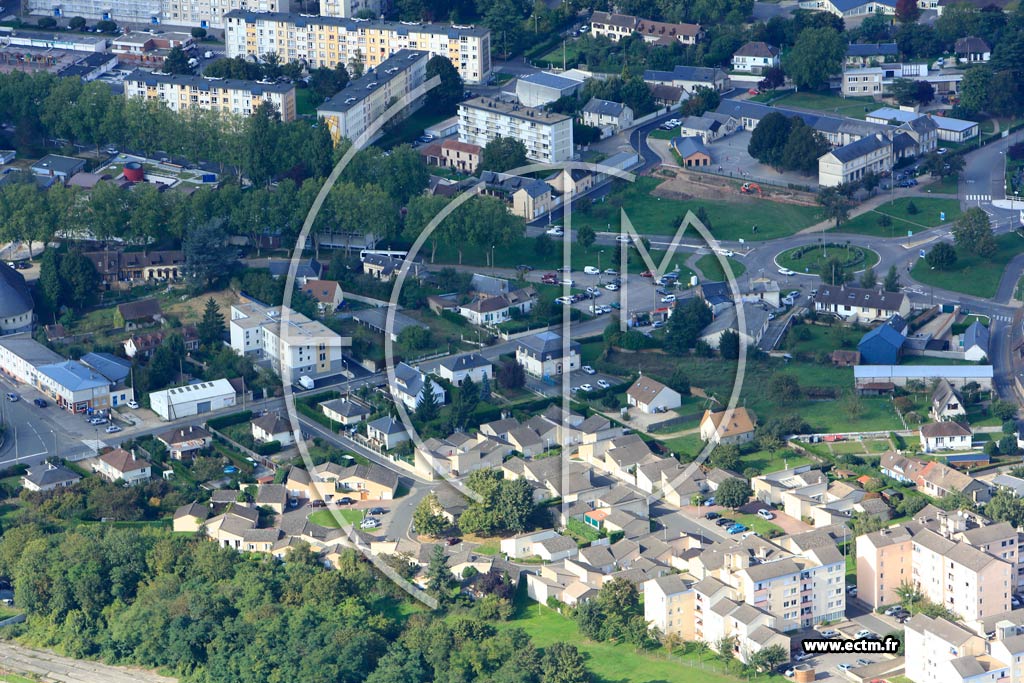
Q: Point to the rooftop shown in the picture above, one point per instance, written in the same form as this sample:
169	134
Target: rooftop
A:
203	83
514	110
361	88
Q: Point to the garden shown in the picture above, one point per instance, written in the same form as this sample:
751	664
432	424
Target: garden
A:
812	257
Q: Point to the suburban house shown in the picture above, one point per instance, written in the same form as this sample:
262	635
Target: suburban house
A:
48	477
135	314
938	479
610	117
272	427
273	496
754	324
651	396
755	57
386	432
882	345
689	78
460	156
190	518
456	369
709	127
367	482
120	465
547	544
901	468
871	154
972	50
183	443
692	152
615	27
945	436
345	410
487	310
974	342
460	453
408	385
856	304
309	269
738	429
947	404
327	294
543	354
871	54
144	344
382	267
127	267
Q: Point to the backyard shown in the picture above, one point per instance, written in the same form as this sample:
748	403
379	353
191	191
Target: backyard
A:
905	215
727	220
972	274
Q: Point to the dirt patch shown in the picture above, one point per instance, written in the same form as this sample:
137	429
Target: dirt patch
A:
688	185
190	311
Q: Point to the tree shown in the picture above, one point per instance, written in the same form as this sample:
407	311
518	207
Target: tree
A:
80	282
176	62
503	154
76	23
942	256
817	54
975	89
892	280
445	97
868	279
907	11
440	580
563	663
1005	507
726	457
198	33
784	388
733	493
835	204
729	345
973	232
427	406
107	26
1004	410
832	271
46	22
773	78
875	28
768	140
767	658
906	91
585	236
206	257
211	327
511	375
427	517
803	148
684	327
50	287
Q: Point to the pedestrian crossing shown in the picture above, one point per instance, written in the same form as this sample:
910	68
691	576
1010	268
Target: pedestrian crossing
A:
1002	318
979	197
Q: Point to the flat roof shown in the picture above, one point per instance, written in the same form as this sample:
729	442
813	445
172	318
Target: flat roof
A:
196	392
152	78
514	110
400	27
361	88
921	371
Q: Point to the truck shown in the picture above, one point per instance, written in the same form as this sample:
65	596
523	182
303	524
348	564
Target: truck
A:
306	382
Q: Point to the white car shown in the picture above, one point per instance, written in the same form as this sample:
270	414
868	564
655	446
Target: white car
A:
589	370
610	271
591	270
606	308
829	633
369	523
765	514
786	271
564	300
586	387
603	383
623	239
864	634
112	429
612	287
567	282
723	252
556	231
668	299
97	420
133	404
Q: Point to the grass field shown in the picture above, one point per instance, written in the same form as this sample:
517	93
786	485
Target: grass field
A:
854	107
659	134
755	523
928	216
618	663
972	274
554	59
326	518
712	268
947	185
305	102
729	220
15	678
812	260
815	339
763	461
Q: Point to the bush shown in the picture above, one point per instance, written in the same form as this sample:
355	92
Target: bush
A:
199	33
46	22
912	209
228	420
884	220
268	448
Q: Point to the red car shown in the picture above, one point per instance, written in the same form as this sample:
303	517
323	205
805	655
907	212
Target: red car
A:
647	273
550	279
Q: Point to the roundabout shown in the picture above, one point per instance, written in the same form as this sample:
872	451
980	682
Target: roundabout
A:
809	258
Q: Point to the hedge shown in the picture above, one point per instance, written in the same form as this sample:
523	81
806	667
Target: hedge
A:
268	448
228	420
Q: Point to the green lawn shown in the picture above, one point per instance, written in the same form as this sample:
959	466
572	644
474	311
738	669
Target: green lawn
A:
409	129
815	339
14	678
553	59
618	663
902	221
305	102
326	518
659	134
811	261
712	268
763	461
688	445
947	185
729	220
854	107
755	523
972	274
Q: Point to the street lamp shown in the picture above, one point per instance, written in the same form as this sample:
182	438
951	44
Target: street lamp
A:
493	267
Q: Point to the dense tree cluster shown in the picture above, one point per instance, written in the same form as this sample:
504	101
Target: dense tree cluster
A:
787	143
505	505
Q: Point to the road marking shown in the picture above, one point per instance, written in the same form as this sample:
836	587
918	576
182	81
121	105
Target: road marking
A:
979	197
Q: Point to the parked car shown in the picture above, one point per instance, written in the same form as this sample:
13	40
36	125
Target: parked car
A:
736	529
567	282
610	271
114	429
863	662
845	667
765	514
622	239
40	402
612	287
865	634
711	515
586	387
668	299
658	323
591	270
345	500
369	523
646	273
453	540
893	611
829	633
710	501
786	271
318	503
133	404
603	383
556	231
851	590
377	511
725	521
12	397
97	420
801	656
589	370
524	268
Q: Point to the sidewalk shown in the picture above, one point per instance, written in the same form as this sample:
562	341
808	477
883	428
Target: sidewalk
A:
870	205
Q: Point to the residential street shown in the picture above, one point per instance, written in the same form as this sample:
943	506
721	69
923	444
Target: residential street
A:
50	666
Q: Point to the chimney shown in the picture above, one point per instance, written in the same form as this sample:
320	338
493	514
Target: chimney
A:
133	455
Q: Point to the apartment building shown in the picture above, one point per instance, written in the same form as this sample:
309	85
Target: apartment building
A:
547	135
294	345
872	154
199	13
327	41
228	95
350	8
939	650
875	81
352	111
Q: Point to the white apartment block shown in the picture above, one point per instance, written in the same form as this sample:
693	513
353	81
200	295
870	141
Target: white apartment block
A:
871	154
198	13
547	135
936	650
353	110
181	92
294	345
328	41
349	8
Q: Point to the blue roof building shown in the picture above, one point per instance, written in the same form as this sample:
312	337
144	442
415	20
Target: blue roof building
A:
881	346
110	366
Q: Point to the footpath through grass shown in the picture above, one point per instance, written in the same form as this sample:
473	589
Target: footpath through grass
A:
929	214
729	221
972	274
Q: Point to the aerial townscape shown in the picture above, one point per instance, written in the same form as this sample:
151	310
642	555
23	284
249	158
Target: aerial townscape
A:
426	341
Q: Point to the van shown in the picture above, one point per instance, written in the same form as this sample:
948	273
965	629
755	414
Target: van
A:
306	382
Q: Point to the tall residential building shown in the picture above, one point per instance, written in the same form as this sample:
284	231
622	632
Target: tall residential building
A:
199	13
350	8
328	41
181	92
547	135
349	113
294	347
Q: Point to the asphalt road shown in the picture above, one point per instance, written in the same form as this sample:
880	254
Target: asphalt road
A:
50	666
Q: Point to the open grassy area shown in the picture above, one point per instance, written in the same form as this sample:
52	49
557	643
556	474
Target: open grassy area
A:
815	339
947	185
712	268
755	523
14	678
618	663
326	518
659	134
410	128
802	260
763	461
902	221
728	220
854	107
553	59
305	102
972	274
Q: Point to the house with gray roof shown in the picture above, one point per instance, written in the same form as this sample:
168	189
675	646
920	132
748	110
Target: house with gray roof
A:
692	152
547	354
48	477
610	117
408	385
689	78
871	54
974	342
850	163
